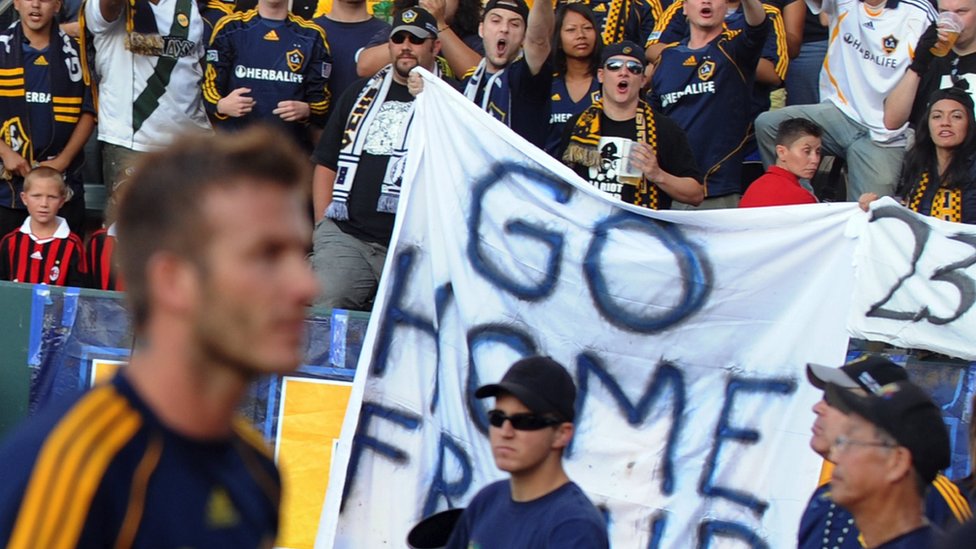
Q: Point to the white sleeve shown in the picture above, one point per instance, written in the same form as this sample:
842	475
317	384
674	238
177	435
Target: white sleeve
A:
94	21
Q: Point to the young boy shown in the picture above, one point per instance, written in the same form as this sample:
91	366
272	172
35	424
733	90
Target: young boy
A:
43	250
797	157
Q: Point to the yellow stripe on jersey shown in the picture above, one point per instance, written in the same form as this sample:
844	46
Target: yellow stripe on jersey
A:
12	93
66	110
12	82
210	93
137	495
665	19
236	16
70	467
66	100
779	29
68	119
16	71
951	494
826	64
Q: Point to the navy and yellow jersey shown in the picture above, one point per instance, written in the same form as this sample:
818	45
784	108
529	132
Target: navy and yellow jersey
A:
42	98
562	108
103	471
102	267
826	525
213	11
673	28
619	20
707	91
276	60
57	261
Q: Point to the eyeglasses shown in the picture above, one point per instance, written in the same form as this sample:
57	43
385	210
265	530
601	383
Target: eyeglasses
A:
615	65
842	443
399	37
522	422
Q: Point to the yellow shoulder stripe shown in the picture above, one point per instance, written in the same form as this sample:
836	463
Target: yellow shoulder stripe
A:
252	437
953	497
69	469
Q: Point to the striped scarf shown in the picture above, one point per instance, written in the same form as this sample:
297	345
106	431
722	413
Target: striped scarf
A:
616	23
583	148
495	104
946	203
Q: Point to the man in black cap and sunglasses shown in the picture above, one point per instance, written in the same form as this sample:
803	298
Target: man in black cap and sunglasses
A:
530	426
621	146
354	188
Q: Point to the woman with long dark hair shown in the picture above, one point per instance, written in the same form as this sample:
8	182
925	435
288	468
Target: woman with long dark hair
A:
939	174
576	50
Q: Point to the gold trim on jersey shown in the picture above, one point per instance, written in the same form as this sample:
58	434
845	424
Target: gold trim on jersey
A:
69	469
826	64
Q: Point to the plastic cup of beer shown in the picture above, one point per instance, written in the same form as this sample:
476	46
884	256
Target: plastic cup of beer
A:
627	173
949	25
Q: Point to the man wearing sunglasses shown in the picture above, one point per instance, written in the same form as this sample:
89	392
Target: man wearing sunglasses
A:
538	506
891	447
825	524
621	146
514	80
353	191
705	84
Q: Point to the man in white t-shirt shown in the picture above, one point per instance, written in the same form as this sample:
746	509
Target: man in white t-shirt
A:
871	45
148	72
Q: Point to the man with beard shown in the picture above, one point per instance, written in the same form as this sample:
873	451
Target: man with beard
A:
212	245
514	89
662	166
354	193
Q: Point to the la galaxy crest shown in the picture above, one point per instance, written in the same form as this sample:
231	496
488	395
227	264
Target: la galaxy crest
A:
706	70
409	16
295	58
889	43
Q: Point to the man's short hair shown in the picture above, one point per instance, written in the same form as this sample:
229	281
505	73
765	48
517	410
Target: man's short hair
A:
159	209
792	129
47	172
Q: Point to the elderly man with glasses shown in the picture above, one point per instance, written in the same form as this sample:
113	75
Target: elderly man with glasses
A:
892	446
827	522
623	147
539	506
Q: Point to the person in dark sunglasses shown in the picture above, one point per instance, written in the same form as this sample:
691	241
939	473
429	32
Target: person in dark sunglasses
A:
622	147
529	427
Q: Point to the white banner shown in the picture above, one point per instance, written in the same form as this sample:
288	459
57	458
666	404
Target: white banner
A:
686	333
916	281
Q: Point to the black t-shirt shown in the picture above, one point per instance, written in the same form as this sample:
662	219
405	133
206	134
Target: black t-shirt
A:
528	97
941	73
365	223
673	154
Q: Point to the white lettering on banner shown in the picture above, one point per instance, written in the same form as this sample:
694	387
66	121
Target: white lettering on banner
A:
691	89
686	334
240	71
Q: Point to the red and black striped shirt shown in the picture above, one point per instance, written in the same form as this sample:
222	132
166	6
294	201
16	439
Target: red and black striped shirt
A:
101	252
59	261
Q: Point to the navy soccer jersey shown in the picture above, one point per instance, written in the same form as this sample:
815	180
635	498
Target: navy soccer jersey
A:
276	60
562	108
706	92
58	261
673	28
345	40
103	471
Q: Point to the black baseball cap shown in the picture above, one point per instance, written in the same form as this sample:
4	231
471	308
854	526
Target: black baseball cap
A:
626	48
541	383
868	372
417	21
904	411
518	6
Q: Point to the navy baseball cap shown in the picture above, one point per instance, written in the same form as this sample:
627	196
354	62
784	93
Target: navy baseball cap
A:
868	372
541	383
518	6
417	21
904	411
626	48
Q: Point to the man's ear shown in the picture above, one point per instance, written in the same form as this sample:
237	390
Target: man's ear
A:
564	434
173	283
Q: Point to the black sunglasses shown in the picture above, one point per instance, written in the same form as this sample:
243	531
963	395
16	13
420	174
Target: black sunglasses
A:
522	422
399	37
616	64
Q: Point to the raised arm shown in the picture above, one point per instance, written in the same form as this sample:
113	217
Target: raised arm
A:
538	34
